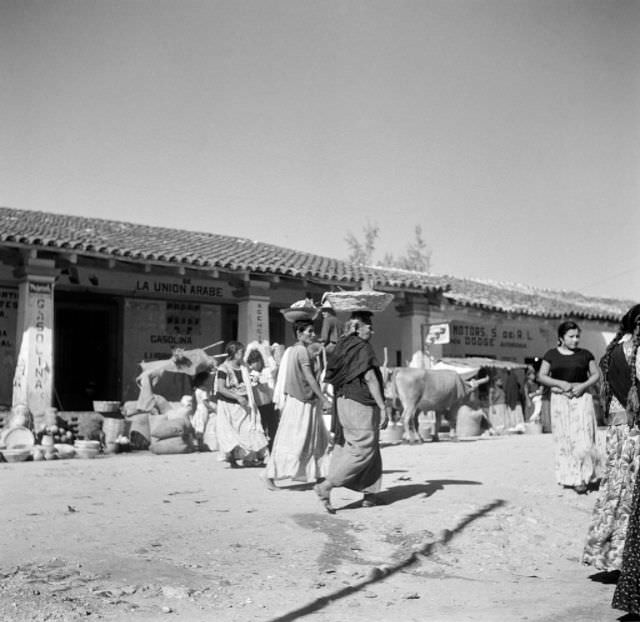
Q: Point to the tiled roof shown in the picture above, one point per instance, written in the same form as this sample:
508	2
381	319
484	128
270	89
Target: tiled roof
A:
143	243
524	299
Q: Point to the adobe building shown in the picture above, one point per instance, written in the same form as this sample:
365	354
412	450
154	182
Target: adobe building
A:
83	301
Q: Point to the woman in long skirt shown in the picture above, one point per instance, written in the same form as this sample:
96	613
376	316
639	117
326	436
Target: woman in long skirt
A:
238	428
300	445
620	370
353	371
570	371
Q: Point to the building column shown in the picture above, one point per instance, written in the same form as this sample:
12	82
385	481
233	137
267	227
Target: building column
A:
414	314
33	378
253	314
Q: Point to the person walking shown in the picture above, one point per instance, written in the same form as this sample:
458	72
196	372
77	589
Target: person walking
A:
620	371
354	372
300	446
240	435
330	330
569	371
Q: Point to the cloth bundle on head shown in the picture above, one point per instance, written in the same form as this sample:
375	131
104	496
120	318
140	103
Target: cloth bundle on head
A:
325	303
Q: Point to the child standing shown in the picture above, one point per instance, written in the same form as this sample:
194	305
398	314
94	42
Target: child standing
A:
204	407
263	394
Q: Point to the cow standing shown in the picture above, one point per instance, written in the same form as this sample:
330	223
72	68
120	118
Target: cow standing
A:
442	391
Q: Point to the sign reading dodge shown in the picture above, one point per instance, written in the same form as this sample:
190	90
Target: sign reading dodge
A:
437	334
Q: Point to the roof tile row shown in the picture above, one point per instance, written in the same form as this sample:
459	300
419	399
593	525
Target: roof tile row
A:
201	250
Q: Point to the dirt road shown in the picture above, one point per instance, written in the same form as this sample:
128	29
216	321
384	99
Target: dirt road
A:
141	537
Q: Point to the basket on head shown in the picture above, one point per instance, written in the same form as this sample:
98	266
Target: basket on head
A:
301	310
359	300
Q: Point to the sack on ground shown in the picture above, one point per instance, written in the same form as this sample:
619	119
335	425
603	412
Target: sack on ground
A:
175	445
140	432
90	426
161	427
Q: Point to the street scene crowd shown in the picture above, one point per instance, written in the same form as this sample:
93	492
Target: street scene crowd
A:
313	414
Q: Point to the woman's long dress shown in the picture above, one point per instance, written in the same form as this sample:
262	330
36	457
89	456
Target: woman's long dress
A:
627	594
608	529
573	421
610	519
238	430
300	446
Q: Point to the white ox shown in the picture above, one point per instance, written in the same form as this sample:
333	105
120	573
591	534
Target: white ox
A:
442	391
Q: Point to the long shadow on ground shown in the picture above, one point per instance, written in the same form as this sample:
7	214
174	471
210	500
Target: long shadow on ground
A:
404	491
379	573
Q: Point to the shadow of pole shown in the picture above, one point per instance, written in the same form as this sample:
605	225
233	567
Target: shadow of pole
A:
378	573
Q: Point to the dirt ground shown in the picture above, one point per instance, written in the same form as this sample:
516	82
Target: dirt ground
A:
472	530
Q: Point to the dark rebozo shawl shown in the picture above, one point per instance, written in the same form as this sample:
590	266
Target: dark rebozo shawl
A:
351	358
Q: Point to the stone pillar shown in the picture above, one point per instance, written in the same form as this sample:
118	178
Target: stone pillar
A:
253	314
414	313
33	378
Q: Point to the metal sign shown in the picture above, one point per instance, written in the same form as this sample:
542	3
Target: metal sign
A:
437	334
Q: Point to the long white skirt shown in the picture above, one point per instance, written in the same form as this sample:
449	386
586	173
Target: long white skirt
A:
573	421
300	447
238	437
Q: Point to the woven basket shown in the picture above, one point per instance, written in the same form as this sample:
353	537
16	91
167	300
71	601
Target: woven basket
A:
292	314
359	300
103	406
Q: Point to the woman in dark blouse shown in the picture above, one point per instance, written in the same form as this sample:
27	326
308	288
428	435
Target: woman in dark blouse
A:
569	371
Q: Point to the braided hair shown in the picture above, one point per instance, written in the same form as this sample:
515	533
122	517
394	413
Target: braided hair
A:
629	325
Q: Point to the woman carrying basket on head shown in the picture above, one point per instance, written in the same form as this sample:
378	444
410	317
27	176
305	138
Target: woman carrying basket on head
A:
301	441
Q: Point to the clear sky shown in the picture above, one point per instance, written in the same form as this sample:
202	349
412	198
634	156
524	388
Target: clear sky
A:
509	130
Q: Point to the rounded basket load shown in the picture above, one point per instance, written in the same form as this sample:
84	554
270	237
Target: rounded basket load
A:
359	300
301	310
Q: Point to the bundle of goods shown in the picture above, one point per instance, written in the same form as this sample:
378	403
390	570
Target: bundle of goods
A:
359	300
139	433
171	433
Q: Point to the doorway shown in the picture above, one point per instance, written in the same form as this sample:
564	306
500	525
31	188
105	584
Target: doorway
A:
86	346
